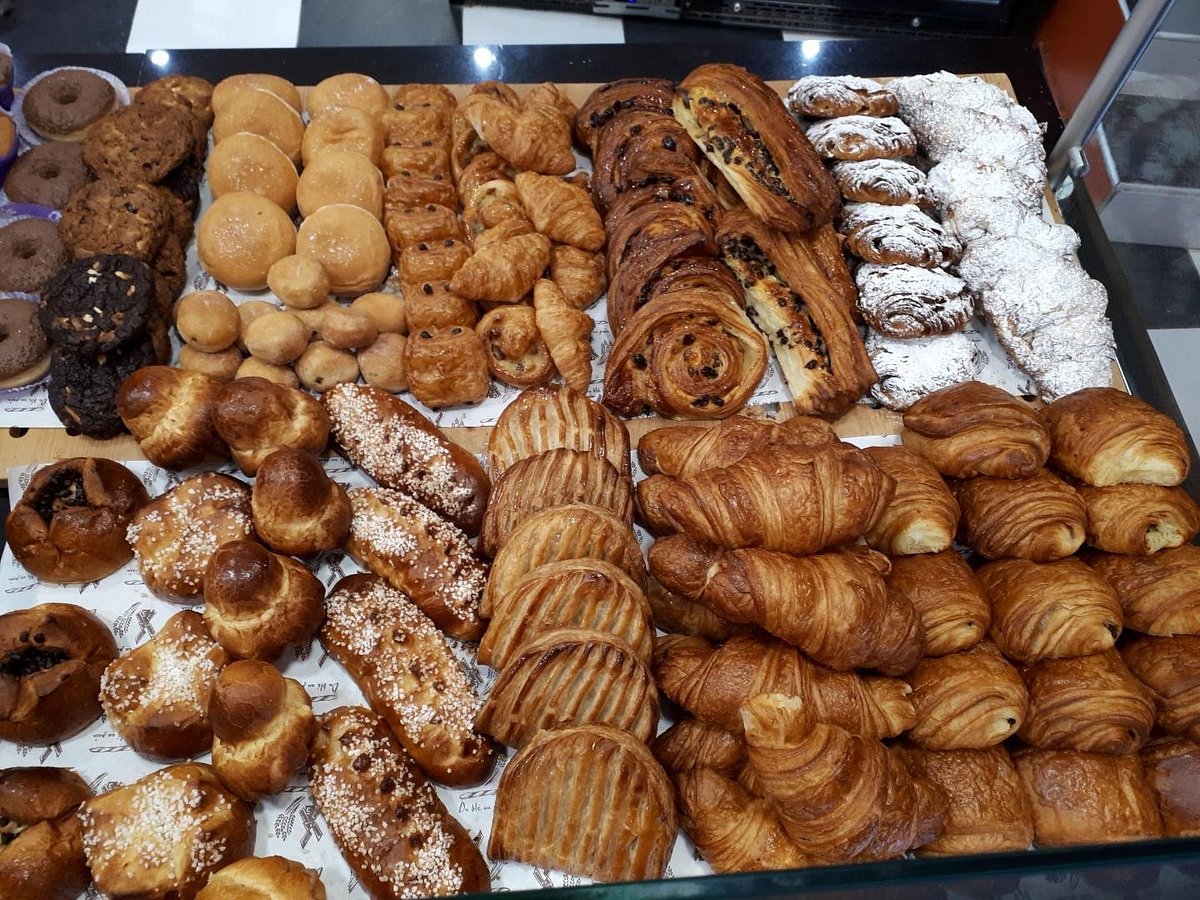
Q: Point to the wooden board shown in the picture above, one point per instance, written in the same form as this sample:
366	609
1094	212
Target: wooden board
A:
21	447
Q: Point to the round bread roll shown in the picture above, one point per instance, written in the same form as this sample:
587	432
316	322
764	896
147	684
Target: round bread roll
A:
322	366
348	329
228	88
264	878
241	236
263	113
248	312
253	367
221	366
314	318
340	176
249	162
348	128
298	281
382	364
348	89
350	243
208	321
298	509
278	338
385	310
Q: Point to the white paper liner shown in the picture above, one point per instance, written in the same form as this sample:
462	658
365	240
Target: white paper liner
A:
31	137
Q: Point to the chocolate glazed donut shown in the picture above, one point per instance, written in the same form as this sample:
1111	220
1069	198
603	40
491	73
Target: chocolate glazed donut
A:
63	105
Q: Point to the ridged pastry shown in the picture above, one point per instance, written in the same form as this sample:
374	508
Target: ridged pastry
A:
570	531
545	418
887	181
571	593
409	676
387	820
552	478
1159	594
1087	798
692	744
1170	668
906	301
682	450
987	810
922	516
895	235
1089	703
571	676
1138	519
833	96
297	508
858	137
713	683
1049	610
1104	436
1039	518
976	429
421	555
833	606
1172	766
558	806
792	499
747	133
967	701
951	603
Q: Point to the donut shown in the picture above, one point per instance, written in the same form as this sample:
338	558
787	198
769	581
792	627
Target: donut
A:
348	128
299	282
47	175
64	105
23	344
30	253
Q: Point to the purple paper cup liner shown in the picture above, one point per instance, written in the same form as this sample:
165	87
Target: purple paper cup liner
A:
23	389
6	160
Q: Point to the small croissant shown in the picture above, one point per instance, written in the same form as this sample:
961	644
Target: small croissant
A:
580	274
534	138
504	271
566	331
560	210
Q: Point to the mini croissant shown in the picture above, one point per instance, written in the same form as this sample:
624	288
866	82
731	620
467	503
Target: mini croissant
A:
579	275
561	210
566	331
692	744
505	271
534	138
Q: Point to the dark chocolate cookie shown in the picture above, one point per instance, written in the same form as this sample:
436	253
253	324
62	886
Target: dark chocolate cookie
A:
142	142
30	253
184	182
109	216
98	304
48	175
83	391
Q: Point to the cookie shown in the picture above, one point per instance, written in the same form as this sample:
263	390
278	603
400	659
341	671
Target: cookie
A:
108	216
184	182
98	304
48	175
30	253
142	142
185	91
170	274
182	221
83	391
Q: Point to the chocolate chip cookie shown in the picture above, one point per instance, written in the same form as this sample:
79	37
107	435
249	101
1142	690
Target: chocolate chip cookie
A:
83	390
142	142
109	216
185	91
98	304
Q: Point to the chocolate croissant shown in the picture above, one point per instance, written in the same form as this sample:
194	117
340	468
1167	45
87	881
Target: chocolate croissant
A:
748	134
923	515
679	450
1172	767
948	598
792	499
713	683
1049	610
1090	703
1139	519
1170	668
1104	436
640	147
833	606
973	428
1159	594
1039	518
967	701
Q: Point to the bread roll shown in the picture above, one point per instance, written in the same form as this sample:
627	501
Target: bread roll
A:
45	861
348	128
351	245
240	236
249	162
298	509
348	89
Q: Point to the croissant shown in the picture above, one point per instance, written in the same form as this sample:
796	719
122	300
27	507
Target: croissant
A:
1159	594
793	499
1049	610
1039	518
579	275
833	606
692	744
679	615
733	830
712	683
687	355
533	138
1170	668
566	332
1139	519
973	428
987	810
923	515
1090	703
492	204
682	450
948	598
504	271
561	211
1172	767
1104	436
967	701
839	795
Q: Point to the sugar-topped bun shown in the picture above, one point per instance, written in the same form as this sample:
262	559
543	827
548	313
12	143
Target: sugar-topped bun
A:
228	88
348	89
264	113
249	162
241	236
348	128
340	176
350	243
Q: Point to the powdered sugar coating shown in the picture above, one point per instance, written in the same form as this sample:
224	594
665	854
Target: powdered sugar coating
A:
825	96
862	137
909	301
910	369
887	181
896	234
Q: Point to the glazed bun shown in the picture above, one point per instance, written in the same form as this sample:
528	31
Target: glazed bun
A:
348	128
263	113
31	794
53	657
256	417
227	89
69	525
249	162
241	236
350	244
348	89
264	878
299	282
45	861
297	508
340	176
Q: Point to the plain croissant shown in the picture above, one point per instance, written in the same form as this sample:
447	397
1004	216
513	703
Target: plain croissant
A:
680	450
